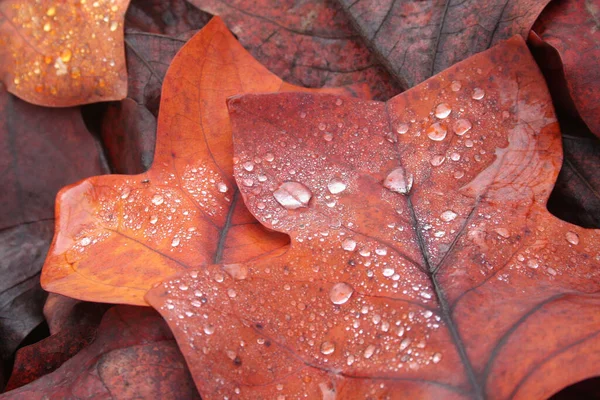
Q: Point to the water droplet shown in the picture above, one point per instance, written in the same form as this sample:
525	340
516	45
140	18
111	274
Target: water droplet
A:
248	166
398	181
478	94
455	86
66	54
459	174
442	110
85	241
455	156
336	185
340	293
47	27
175	242
369	351
462	126
350	360
269	157
405	342
437	357
381	251
153	219
327	348
572	238
51	11
236	271
349	244
157	200
503	232
183	287
113	26
222	187
209	329
338	102
248	182
292	195
437	160
469	143
328	137
448	216
532	264
437	132
388	271
402	128
322	126
231	293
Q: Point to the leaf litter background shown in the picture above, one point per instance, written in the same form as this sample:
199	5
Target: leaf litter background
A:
312	44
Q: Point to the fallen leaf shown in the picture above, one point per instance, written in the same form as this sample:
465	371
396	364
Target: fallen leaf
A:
571	27
41	150
39	359
119	235
154	33
423	261
308	43
170	17
133	356
418	39
66	53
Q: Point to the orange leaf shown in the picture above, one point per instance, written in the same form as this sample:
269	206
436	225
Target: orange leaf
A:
63	53
116	236
423	261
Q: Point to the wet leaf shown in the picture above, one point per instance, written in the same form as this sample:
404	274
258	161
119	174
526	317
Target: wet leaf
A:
133	355
572	28
41	150
75	333
63	53
154	33
119	235
308	43
423	260
417	39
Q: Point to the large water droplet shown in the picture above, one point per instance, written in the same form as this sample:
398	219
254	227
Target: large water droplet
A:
478	94
462	126
292	195
437	132
340	293
448	216
336	185
398	181
327	348
572	238
442	110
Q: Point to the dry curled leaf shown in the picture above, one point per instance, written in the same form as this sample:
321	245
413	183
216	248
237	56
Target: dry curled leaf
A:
133	356
63	53
309	43
572	27
417	39
118	235
423	261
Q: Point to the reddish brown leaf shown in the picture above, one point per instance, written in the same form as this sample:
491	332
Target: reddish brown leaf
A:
423	261
41	150
308	43
76	332
133	356
119	235
571	27
417	39
66	53
170	17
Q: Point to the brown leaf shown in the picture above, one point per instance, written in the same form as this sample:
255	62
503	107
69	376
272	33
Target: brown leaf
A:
572	28
417	39
133	356
41	150
60	54
308	43
119	235
76	332
423	262
165	17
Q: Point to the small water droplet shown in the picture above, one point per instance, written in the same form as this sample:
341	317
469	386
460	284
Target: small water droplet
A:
153	219
398	181
338	102
462	126
175	242
327	348
405	342
248	166
222	187
113	26
455	86
442	110
503	232
322	126
437	132
340	293
402	128
381	251
469	143
459	174
158	200
336	185
437	160
388	271
231	293
478	94
183	287
209	329
292	195
448	216
455	156
328	137
349	244
437	357
85	241
369	351
248	182
572	238
350	360
269	157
